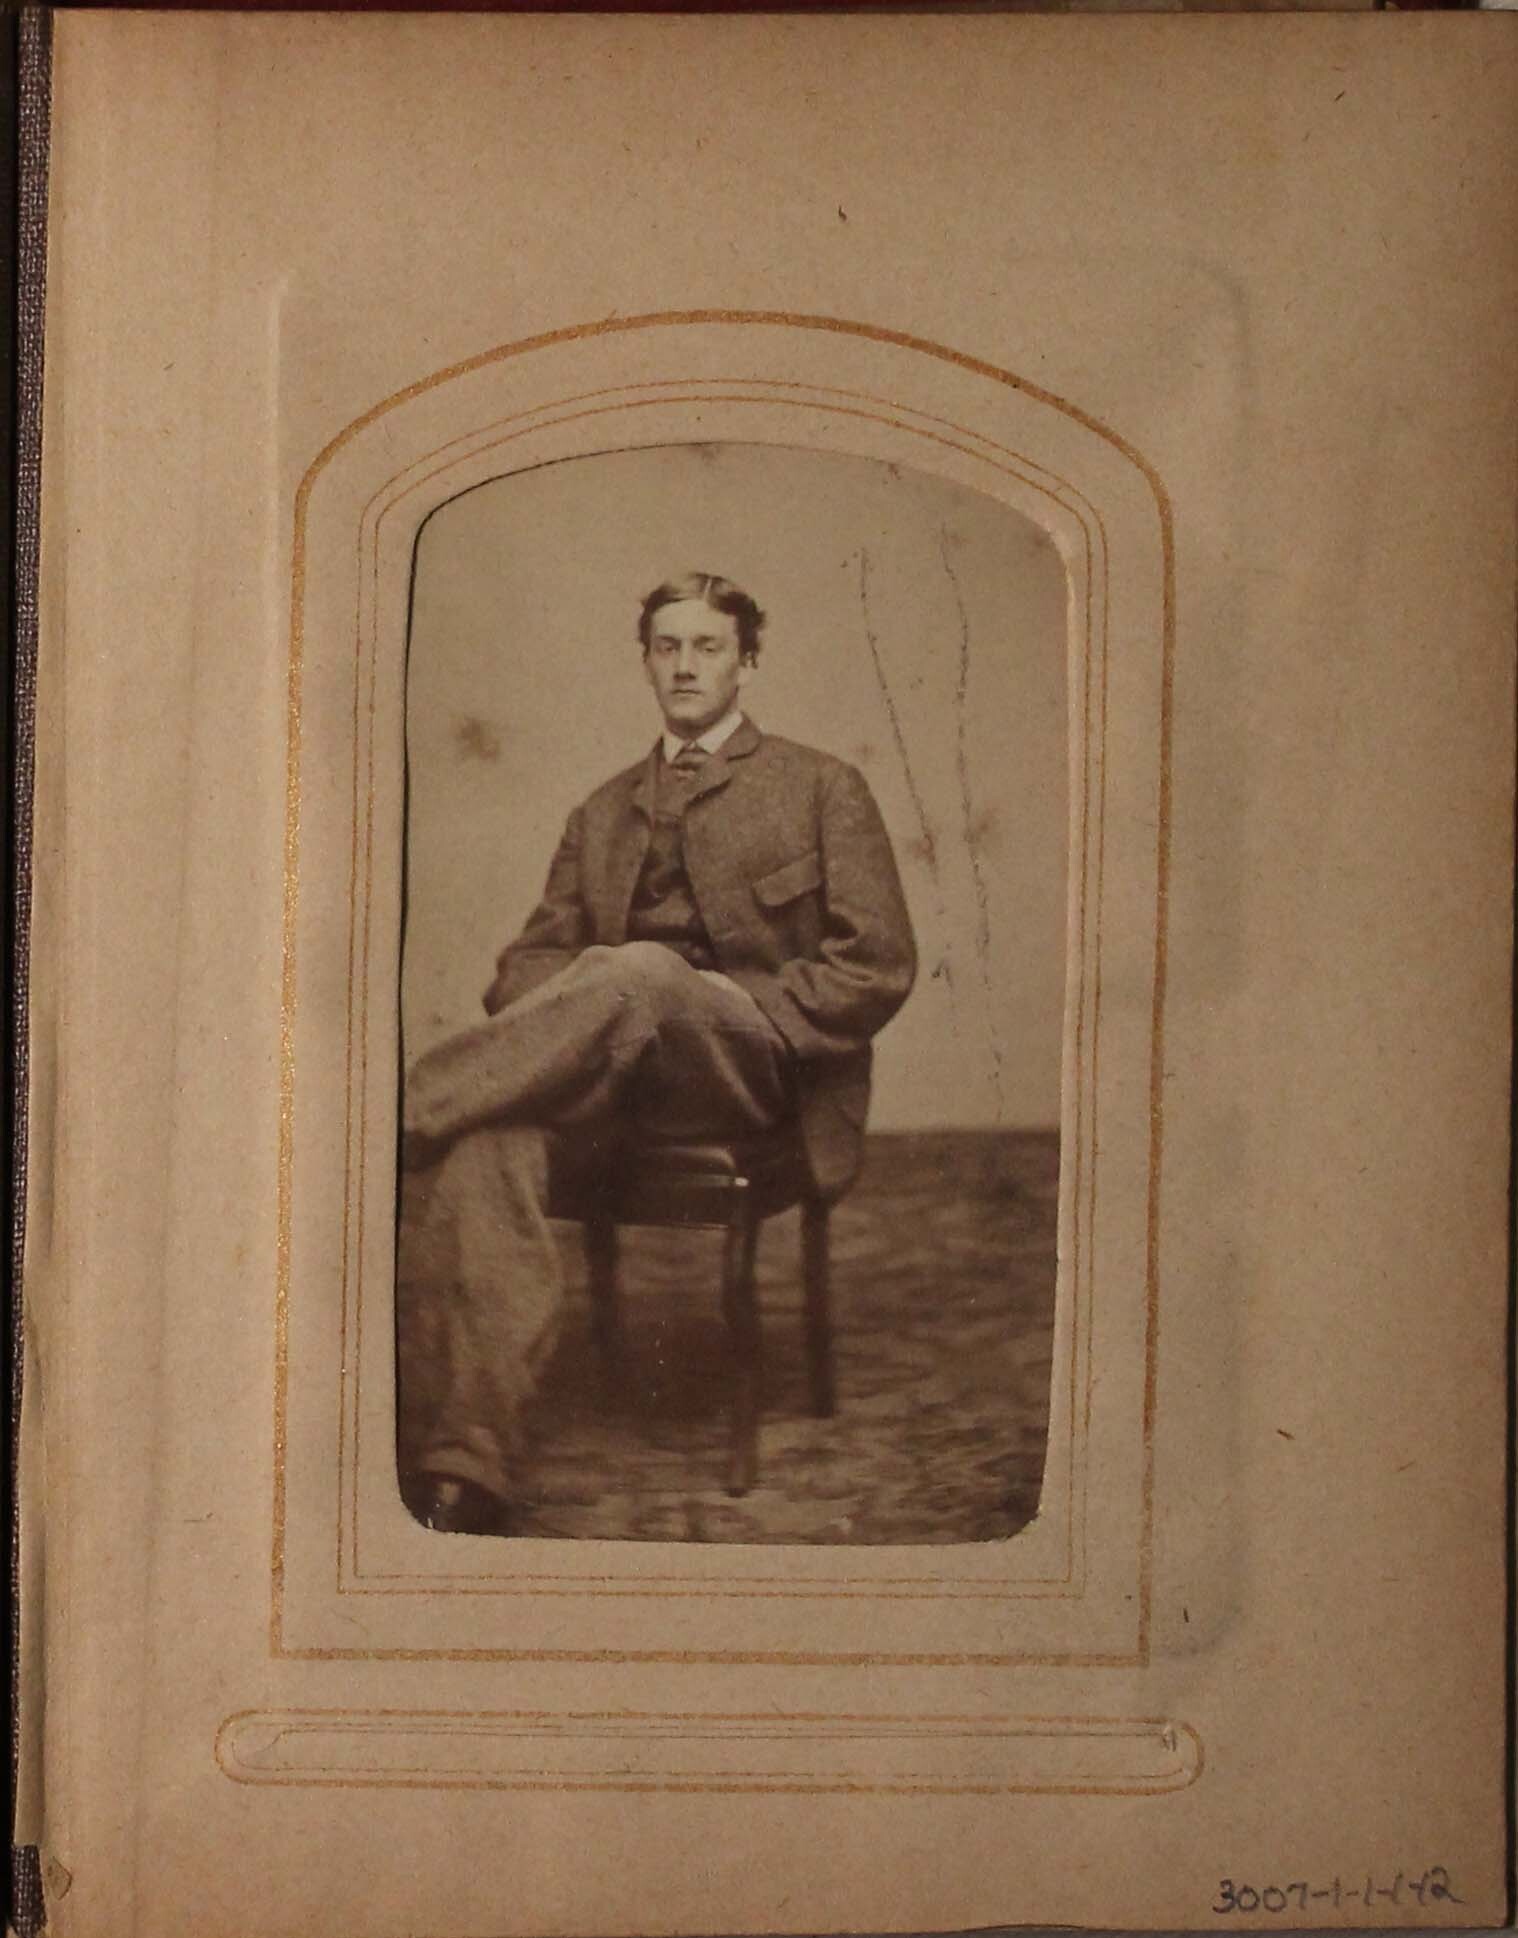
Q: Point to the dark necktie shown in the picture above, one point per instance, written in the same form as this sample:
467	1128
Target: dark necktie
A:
687	764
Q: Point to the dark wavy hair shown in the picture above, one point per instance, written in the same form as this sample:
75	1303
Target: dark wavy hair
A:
720	594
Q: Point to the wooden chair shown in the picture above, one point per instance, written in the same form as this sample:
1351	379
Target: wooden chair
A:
731	1188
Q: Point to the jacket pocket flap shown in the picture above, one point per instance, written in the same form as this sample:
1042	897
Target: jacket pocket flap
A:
786	883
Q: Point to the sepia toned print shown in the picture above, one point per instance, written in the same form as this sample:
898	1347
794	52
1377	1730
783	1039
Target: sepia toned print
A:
392	363
663	1272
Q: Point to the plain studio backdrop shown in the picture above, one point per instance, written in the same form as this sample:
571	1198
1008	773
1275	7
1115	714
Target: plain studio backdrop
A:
915	628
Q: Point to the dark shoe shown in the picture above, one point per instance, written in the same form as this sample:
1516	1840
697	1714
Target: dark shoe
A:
452	1506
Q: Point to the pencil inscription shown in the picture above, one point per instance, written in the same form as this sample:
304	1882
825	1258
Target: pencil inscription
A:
1430	1886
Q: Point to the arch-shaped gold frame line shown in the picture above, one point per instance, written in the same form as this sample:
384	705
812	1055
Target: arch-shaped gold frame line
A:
899	339
548	417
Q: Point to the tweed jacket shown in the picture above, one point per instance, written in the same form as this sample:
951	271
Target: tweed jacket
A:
797	887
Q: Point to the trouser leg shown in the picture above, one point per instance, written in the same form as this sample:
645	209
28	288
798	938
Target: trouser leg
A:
566	1052
629	1042
715	1066
478	1304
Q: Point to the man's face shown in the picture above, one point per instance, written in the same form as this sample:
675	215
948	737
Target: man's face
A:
693	665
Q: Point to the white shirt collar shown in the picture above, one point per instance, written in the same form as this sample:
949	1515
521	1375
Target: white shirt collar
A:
716	736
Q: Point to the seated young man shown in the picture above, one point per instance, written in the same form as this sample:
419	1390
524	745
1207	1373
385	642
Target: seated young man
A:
722	933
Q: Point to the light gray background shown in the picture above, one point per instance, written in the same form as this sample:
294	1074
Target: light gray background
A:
916	628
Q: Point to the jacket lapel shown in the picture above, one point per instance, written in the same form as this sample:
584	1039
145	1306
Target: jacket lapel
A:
630	847
718	770
645	784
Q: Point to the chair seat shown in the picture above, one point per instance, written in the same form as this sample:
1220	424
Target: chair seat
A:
727	1160
676	1181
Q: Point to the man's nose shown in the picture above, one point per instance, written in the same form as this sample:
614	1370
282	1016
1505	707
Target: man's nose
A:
685	663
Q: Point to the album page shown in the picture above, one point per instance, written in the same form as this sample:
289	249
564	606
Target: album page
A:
771	974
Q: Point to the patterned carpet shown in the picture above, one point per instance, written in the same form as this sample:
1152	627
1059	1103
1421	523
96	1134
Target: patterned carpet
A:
943	1298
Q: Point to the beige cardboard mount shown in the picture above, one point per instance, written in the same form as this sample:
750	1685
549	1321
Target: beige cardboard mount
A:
1223	307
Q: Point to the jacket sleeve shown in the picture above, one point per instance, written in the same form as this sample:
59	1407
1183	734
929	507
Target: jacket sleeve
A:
830	1003
554	934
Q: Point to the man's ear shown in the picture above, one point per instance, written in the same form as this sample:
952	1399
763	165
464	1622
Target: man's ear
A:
745	667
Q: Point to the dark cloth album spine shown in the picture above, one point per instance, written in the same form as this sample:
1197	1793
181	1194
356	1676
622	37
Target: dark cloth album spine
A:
23	220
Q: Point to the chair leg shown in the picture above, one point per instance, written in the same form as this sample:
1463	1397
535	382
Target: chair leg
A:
605	1308
740	1306
819	1313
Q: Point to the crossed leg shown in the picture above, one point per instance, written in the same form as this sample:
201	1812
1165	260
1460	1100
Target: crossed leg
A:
626	1039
